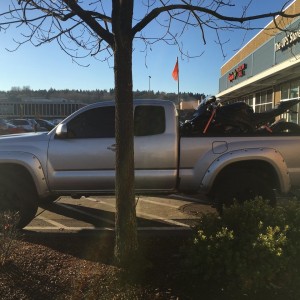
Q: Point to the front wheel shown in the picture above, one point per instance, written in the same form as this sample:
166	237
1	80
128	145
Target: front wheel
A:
240	188
18	195
48	199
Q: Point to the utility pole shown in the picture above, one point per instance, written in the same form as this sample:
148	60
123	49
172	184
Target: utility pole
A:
149	83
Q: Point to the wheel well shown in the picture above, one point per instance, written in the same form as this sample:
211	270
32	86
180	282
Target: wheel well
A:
258	167
17	170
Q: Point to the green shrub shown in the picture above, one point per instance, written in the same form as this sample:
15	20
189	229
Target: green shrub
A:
8	234
252	248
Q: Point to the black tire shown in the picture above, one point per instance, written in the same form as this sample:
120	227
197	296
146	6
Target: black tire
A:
242	187
17	194
281	127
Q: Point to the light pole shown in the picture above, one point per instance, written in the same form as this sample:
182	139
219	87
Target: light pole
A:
149	82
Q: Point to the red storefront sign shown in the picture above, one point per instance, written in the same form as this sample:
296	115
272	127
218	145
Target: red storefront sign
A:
238	72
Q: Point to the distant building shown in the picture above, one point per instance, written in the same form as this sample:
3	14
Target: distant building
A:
38	108
189	105
187	109
267	69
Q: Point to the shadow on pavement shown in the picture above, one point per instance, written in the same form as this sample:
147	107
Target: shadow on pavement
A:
97	217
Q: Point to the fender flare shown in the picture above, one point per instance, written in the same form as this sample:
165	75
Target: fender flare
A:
31	163
268	155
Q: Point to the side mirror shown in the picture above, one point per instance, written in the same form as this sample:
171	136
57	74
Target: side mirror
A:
61	131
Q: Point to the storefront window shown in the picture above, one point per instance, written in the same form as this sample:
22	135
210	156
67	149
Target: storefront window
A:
248	99
290	90
293	114
263	101
285	88
294	92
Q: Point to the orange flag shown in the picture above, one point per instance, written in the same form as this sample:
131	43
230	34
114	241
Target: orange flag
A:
175	72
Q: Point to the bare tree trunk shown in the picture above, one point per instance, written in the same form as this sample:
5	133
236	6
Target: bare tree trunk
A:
126	244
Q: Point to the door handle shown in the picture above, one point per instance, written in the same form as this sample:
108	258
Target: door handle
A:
113	147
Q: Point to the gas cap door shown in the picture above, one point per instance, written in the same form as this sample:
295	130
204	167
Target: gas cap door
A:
219	147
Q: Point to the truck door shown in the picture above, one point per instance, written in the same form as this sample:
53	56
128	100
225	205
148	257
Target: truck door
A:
85	159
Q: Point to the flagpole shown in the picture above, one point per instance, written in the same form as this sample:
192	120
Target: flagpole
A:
178	86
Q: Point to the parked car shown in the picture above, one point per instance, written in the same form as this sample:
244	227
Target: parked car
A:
26	124
56	121
34	124
45	125
8	128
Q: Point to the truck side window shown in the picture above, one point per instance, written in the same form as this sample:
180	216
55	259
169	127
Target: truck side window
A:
94	123
149	120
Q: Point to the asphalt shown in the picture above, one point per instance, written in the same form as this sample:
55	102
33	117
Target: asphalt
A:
165	214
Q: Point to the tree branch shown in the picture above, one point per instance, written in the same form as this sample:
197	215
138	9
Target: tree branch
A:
188	7
87	16
90	21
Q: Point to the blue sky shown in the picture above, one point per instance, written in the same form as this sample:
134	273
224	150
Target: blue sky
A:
48	67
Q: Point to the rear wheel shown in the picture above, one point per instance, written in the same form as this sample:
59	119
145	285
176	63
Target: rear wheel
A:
285	127
242	187
18	194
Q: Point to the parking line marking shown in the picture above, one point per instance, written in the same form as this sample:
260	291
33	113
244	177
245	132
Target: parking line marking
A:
190	199
158	203
155	228
60	227
185	198
54	223
163	228
65	228
154	217
150	216
85	213
102	202
139	199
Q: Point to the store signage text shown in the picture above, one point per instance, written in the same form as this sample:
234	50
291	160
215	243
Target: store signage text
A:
288	40
238	72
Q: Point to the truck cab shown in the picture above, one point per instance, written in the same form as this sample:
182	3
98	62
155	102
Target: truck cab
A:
81	153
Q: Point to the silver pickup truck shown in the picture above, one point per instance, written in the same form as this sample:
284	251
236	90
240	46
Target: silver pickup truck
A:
77	158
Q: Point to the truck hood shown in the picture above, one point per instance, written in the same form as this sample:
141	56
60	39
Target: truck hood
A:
20	138
35	143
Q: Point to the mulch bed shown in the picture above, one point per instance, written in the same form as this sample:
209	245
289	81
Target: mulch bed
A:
70	266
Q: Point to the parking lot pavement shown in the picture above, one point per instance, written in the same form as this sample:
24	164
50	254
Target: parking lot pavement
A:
168	213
